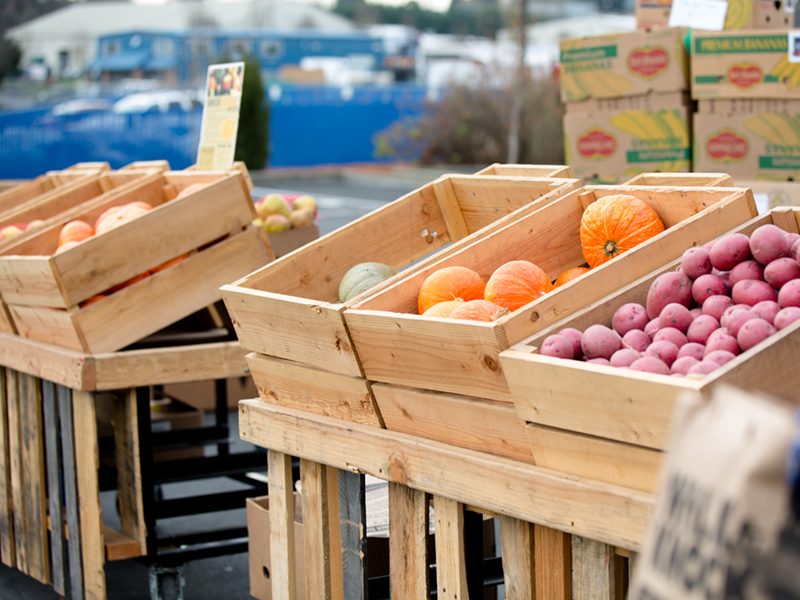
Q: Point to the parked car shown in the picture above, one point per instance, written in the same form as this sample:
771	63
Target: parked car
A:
80	106
157	101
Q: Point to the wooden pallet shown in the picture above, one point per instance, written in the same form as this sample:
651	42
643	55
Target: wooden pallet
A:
290	309
400	347
618	430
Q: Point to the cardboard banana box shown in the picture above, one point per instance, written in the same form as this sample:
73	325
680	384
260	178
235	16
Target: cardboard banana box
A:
745	64
742	14
612	140
624	64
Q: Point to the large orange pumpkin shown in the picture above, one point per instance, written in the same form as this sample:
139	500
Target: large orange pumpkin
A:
614	224
443	309
569	275
516	283
449	283
477	310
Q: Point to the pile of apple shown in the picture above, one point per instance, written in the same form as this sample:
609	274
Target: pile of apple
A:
279	213
10	231
726	297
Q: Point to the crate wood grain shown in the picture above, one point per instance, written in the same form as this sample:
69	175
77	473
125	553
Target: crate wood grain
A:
169	295
527	170
32	276
290	309
398	346
682	179
6	323
627	415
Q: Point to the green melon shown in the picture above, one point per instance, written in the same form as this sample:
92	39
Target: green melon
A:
363	277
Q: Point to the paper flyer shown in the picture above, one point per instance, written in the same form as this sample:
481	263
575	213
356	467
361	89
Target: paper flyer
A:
220	122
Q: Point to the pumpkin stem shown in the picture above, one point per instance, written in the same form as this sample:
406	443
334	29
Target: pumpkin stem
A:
611	248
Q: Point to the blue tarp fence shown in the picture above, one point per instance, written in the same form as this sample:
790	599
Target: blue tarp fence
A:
308	126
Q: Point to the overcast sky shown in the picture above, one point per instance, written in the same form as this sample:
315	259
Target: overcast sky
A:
441	5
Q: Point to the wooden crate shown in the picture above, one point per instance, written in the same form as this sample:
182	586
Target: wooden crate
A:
237	166
398	346
682	179
290	308
612	424
527	170
44	184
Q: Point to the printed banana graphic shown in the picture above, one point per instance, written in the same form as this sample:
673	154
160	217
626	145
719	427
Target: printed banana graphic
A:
579	81
781	130
662	129
739	14
787	72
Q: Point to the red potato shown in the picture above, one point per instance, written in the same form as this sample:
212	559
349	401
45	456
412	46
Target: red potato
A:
600	342
703	368
767	310
696	312
701	328
706	286
624	357
629	316
716	305
786	316
650	364
696	262
793	250
669	288
692	349
781	271
651	328
599	361
749	269
637	340
791	238
683	364
721	357
752	292
667	352
768	243
754	332
722	340
735	321
670	334
708	246
790	294
557	346
729	311
675	315
574	336
730	251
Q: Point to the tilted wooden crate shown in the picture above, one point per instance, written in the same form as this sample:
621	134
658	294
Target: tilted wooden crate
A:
44	293
398	346
612	424
290	308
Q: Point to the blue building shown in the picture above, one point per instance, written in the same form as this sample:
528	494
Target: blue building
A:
182	57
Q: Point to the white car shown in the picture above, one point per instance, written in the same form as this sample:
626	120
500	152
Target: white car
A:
156	101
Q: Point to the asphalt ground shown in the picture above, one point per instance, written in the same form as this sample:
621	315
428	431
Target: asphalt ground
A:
340	201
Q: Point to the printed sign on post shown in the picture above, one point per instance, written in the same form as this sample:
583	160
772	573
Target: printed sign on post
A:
699	14
220	116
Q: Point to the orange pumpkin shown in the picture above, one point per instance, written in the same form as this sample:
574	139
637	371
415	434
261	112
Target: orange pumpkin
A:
119	215
477	310
614	224
449	283
92	300
516	283
569	275
169	263
443	309
75	231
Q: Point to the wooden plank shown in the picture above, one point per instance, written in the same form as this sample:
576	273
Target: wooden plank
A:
281	518
595	458
784	217
34	478
52	325
54	488
448	201
130	495
517	539
119	546
482	425
587	198
65	406
29	280
682	179
87	463
59	365
335	532
6	323
451	565
353	525
408	543
17	477
7	546
315	390
316	529
593	570
527	170
608	513
553	563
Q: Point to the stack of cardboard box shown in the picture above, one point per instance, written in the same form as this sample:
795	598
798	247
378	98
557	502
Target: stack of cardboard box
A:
627	104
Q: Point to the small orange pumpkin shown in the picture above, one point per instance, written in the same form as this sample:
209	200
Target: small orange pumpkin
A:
569	275
615	224
516	283
449	283
443	309
75	231
477	310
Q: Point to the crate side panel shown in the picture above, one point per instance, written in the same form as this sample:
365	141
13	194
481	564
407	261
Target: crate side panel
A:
30	281
49	325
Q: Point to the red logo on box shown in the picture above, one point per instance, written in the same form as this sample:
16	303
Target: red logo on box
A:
597	143
746	75
727	146
648	62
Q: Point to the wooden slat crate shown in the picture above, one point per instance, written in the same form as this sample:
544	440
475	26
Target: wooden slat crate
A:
44	292
290	309
398	346
682	179
44	184
527	170
612	424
